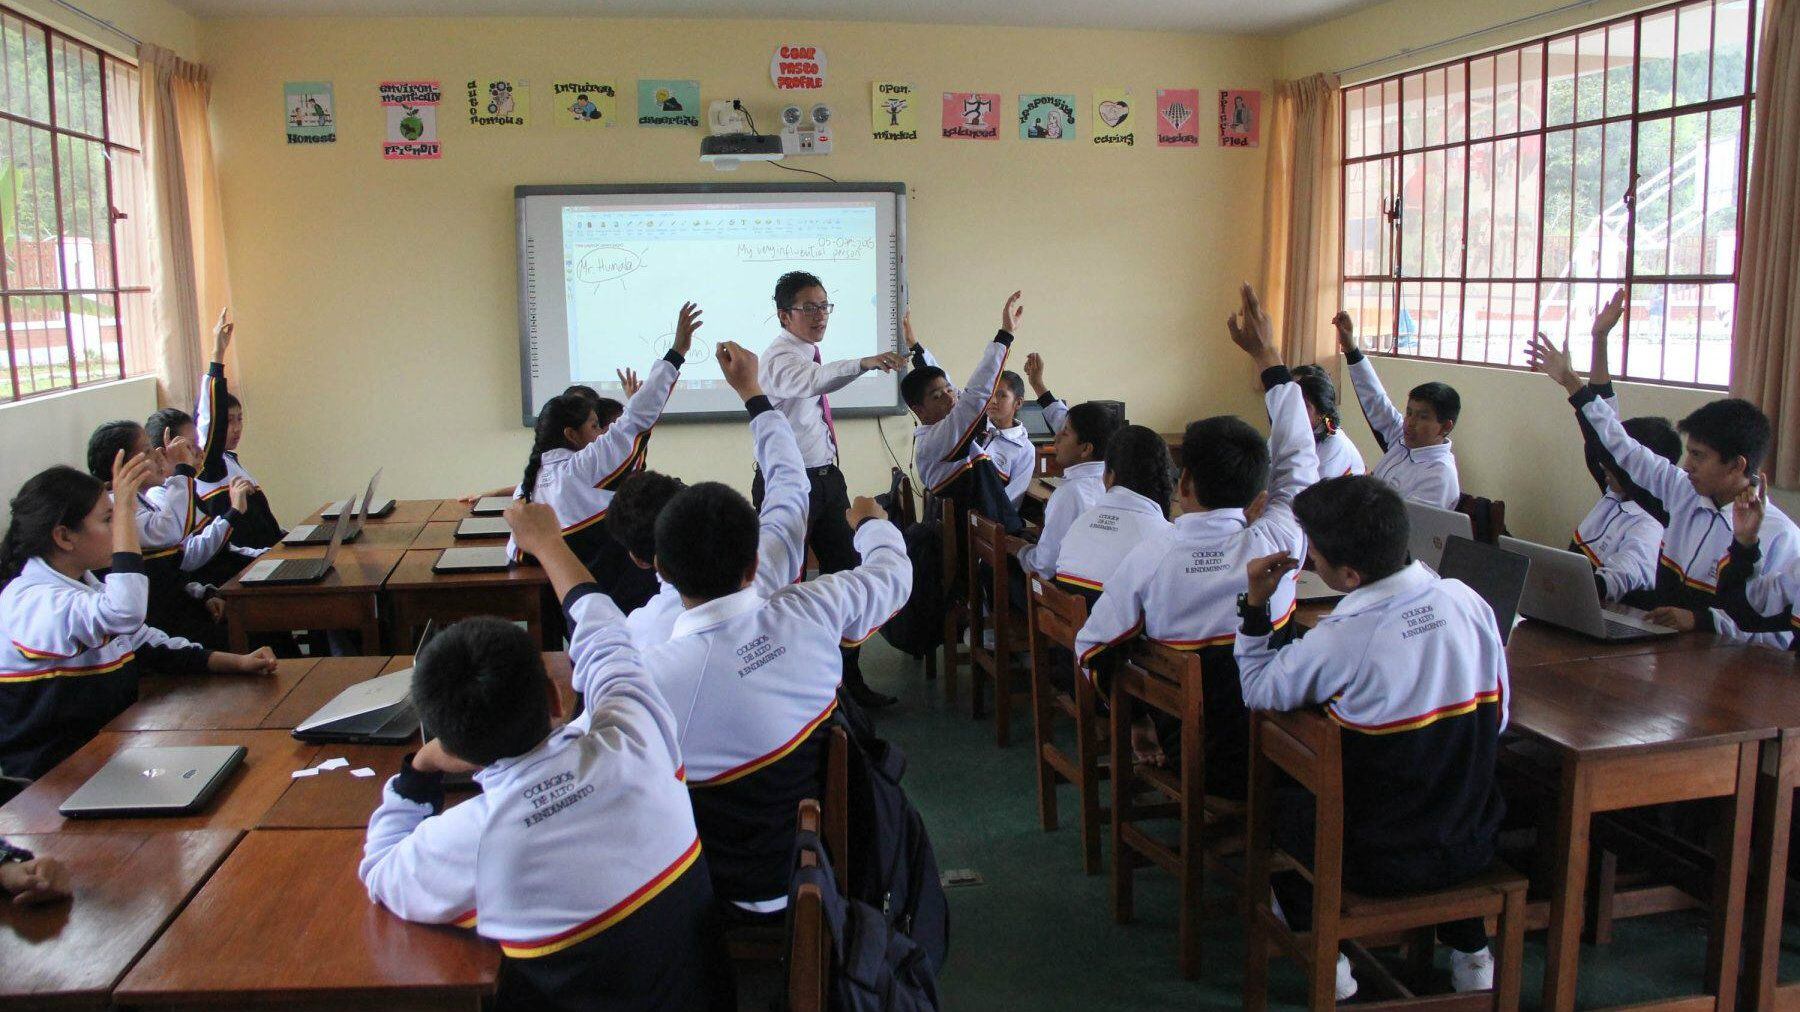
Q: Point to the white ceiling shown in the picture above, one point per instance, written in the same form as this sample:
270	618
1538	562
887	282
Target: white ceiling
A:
1230	16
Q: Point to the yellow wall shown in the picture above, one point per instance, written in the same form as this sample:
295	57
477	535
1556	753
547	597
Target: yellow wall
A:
403	273
156	21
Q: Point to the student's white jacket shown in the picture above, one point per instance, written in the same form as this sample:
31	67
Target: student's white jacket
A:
1081	486
946	448
167	514
1338	456
1697	540
781	543
1118	521
1758	598
750	679
1623	542
579	484
1423	475
1013	455
565	841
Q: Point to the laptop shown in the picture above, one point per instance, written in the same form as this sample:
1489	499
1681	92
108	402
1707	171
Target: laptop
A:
383	509
485	559
483	527
265	571
320	533
1431	528
490	505
158	780
376	712
1031	415
1495	573
1561	591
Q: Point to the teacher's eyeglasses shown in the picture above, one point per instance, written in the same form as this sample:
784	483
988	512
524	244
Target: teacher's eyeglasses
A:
815	308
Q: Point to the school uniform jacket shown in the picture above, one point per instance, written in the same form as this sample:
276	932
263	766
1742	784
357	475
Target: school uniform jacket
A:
70	659
579	484
1055	411
781	541
1623	542
1014	457
1412	668
1082	485
1423	475
1698	537
1338	456
219	467
1758	599
751	681
167	514
579	857
946	448
1118	521
1179	587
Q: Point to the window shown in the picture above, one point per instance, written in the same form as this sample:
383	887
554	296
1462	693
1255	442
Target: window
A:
74	292
1495	196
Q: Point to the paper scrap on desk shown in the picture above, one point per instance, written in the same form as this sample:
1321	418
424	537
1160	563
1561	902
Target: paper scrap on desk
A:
362	771
305	773
333	764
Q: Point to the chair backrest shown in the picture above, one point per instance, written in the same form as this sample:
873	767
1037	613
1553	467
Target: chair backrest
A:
1308	746
1056	614
1486	516
952	538
837	805
908	506
987	546
1179	666
809	946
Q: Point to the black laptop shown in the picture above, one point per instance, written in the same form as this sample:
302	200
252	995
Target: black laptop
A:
1493	572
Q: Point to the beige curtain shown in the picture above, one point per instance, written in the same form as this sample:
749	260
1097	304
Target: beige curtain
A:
188	271
1301	221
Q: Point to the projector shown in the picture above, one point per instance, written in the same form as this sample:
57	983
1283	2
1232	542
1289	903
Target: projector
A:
727	151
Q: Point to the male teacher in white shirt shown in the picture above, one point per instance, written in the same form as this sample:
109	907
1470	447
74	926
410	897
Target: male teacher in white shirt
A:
800	384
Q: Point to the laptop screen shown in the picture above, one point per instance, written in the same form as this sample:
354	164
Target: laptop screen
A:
1495	573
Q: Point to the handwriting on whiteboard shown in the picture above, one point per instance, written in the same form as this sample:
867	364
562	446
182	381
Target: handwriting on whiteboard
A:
808	249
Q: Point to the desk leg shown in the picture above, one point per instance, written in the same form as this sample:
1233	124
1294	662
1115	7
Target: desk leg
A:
1563	945
1775	784
371	629
534	616
1731	870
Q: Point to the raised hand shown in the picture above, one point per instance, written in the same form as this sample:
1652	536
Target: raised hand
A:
130	476
629	382
238	492
1034	373
906	330
1346	332
1009	316
686	323
534	526
1609	315
1600	365
1265	575
864	508
1747	511
739	364
181	451
222	334
1543	355
1251	330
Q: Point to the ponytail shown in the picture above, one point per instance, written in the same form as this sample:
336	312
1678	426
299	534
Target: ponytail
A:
1316	386
56	497
1138	459
565	411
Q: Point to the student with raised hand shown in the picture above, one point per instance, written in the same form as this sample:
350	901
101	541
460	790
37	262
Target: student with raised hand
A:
1726	441
219	427
575	467
1411	666
1084	435
1417	457
606	412
1757	598
753	678
74	644
1180	587
1140	486
1002	439
1338	456
580	855
781	542
949	420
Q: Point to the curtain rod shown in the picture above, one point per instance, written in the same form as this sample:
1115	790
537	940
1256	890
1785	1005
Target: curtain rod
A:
102	22
1477	33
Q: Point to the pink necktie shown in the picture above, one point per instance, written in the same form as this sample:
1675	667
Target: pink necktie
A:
825	406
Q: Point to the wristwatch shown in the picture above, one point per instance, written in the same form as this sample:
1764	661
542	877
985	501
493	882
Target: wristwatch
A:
10	853
1256	618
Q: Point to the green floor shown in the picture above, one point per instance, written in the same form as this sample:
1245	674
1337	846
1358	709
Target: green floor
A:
1039	934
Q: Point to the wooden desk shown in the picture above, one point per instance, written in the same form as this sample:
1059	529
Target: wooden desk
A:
451	510
441	534
373	536
127	887
266	771
1533	643
285	921
335	799
327	678
344	599
415	595
211	702
406	511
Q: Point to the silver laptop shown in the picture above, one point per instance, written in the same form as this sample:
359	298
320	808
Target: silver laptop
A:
491	505
1562	592
378	711
1497	575
157	780
485	559
320	533
483	527
299	570
1430	528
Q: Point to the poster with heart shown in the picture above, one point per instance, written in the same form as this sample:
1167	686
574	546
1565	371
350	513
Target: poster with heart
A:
1113	122
1177	112
583	102
411	109
498	101
893	111
971	115
1240	119
1046	117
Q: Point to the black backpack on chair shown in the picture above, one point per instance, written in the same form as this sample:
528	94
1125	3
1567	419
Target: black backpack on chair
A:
874	968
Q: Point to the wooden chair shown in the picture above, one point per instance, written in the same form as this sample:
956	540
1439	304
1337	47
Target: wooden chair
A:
956	606
1169	682
809	944
1308	747
990	546
1053	619
1486	516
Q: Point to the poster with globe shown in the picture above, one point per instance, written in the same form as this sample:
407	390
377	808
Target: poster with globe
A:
411	108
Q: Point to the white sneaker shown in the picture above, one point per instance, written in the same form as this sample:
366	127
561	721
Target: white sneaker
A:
987	639
1470	971
1346	981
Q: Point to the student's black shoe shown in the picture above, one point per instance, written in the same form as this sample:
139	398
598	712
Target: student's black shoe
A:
868	698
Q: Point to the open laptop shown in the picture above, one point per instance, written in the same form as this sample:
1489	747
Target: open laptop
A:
374	712
265	571
379	510
482	527
1031	415
156	780
1561	591
1431	528
490	505
1496	574
320	533
483	559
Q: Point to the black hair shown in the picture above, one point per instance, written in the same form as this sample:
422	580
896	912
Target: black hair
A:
1445	402
164	423
55	497
1316	386
791	284
1094	424
231	401
1225	461
479	687
564	411
631	519
1138	459
1356	521
1014	382
106	442
1732	427
914	384
607	411
1655	433
706	540
584	390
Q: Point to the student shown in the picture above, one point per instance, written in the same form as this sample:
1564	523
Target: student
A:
944	442
1726	440
606	412
781	541
579	855
1135	506
1084	433
1417	457
74	643
1410	665
1002	440
219	425
1338	456
1180	587
752	679
575	467
1757	599
30	880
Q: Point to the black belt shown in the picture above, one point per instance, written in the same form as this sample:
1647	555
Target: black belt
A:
822	471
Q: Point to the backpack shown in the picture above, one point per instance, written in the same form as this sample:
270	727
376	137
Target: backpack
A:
917	628
893	868
874	968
